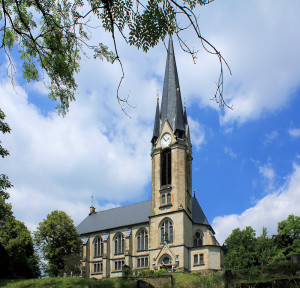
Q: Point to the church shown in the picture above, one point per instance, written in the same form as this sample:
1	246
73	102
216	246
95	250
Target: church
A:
170	231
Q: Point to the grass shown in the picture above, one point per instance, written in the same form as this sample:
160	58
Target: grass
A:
196	280
257	274
68	283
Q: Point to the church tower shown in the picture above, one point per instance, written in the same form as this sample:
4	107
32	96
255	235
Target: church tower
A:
171	169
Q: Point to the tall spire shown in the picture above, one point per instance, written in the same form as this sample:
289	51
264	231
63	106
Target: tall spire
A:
156	123
171	105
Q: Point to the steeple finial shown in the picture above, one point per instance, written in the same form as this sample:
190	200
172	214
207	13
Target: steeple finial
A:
194	193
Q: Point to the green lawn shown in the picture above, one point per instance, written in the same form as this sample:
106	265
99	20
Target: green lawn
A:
68	283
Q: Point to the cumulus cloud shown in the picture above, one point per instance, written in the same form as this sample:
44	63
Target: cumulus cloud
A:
259	41
294	132
267	212
58	163
197	132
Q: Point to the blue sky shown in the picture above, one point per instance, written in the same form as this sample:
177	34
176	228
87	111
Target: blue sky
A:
246	167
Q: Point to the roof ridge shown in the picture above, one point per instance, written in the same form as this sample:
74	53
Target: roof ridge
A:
121	206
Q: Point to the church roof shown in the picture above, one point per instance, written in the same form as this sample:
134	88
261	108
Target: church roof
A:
129	215
198	214
116	217
171	104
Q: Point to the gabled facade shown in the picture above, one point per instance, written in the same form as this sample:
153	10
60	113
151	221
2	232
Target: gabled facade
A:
169	231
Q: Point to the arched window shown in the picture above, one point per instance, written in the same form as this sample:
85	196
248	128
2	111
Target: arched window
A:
166	232
166	167
98	247
198	239
142	240
119	243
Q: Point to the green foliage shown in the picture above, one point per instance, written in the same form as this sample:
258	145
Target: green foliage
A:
56	238
127	271
6	269
18	243
265	248
4	182
51	35
288	238
240	245
244	250
72	264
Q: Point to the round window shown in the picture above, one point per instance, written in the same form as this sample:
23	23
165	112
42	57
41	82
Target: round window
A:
166	260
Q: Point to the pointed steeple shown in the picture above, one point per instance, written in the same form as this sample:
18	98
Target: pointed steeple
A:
171	105
185	116
156	123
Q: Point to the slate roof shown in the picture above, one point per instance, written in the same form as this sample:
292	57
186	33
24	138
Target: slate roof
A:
171	105
156	124
128	215
116	217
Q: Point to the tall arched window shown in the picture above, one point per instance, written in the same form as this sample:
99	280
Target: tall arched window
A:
119	244
142	240
198	239
166	232
98	247
166	167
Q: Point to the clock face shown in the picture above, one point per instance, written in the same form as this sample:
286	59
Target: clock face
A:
165	140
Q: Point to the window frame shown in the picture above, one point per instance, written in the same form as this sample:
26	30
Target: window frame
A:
98	267
119	264
166	167
98	247
142	240
142	262
166	227
199	259
119	244
198	241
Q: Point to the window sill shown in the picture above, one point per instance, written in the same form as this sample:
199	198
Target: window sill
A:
119	254
165	187
96	273
142	250
165	205
195	265
142	268
96	257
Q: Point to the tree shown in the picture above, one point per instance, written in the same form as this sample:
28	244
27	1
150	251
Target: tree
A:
57	237
265	248
18	243
52	35
240	246
72	264
288	237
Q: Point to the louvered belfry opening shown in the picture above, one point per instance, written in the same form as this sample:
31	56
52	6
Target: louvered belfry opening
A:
166	168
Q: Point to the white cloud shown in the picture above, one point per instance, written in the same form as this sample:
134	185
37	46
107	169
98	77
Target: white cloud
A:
58	163
197	133
267	212
270	137
259	41
294	132
229	152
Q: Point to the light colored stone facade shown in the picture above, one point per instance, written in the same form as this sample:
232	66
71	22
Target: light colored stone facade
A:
180	253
